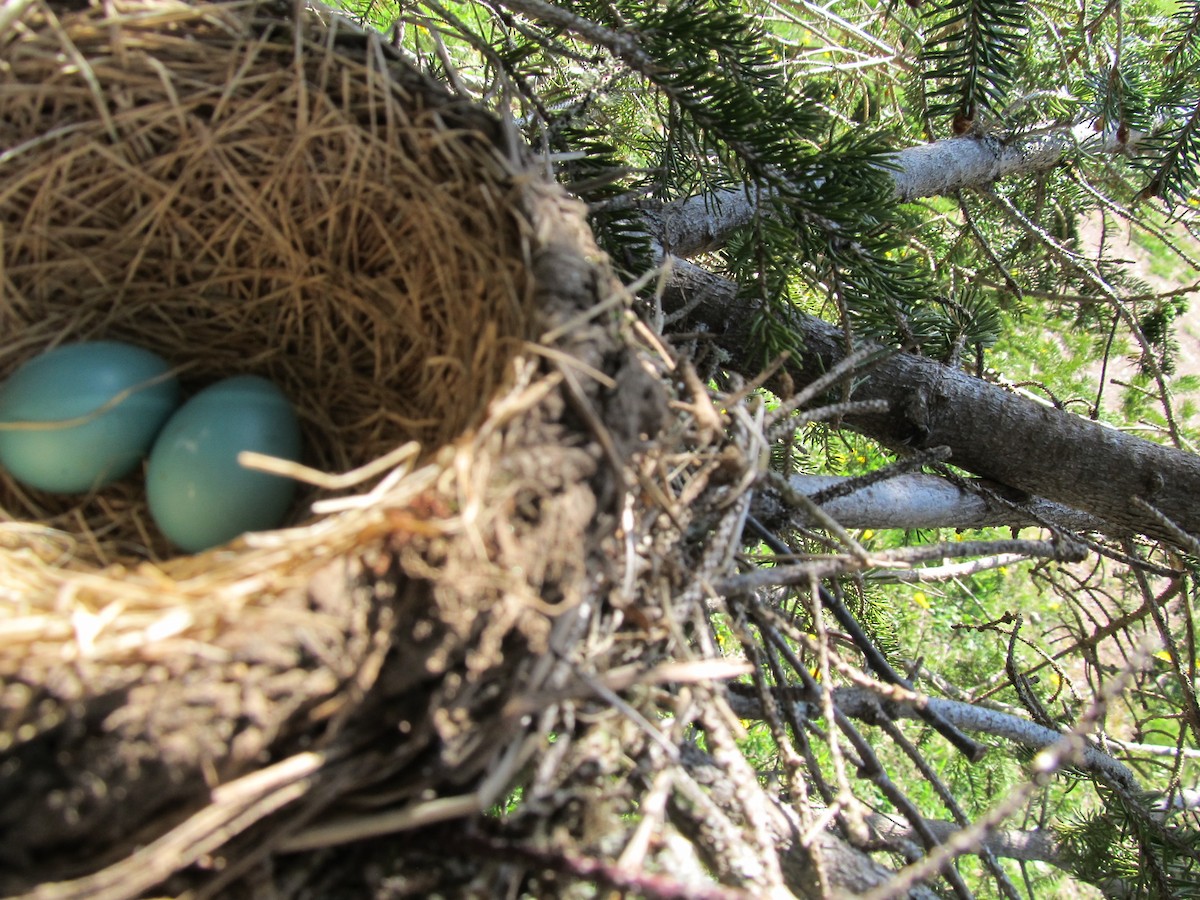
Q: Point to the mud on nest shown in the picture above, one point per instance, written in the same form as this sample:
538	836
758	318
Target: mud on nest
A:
247	190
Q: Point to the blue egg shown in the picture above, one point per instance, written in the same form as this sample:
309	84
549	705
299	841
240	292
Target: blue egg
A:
72	382
198	493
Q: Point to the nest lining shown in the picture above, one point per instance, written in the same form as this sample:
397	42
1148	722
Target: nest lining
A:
247	193
243	197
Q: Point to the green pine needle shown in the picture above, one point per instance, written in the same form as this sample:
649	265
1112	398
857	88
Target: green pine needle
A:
971	54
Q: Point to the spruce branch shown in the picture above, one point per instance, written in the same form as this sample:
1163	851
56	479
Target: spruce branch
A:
1172	158
1095	277
1044	452
1025	846
702	223
930	501
970	54
1186	34
866	705
623	45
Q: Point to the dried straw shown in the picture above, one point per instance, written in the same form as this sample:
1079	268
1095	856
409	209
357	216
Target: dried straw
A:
244	189
244	194
240	196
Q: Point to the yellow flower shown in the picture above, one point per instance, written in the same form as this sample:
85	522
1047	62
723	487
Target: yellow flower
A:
920	599
868	534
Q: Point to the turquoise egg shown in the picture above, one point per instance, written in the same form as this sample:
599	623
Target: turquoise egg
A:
70	382
198	493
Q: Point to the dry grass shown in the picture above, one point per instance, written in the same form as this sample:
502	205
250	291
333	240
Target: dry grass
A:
241	197
249	202
242	191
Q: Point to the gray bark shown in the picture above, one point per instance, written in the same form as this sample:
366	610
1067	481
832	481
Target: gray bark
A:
928	501
699	224
1027	846
868	706
846	870
992	433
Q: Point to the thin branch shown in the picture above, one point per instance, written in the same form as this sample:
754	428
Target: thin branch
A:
946	572
929	501
1047	453
829	567
1092	274
700	224
875	659
867	705
1026	846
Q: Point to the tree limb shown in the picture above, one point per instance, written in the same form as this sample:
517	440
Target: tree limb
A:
1026	846
702	223
849	870
861	703
929	501
992	433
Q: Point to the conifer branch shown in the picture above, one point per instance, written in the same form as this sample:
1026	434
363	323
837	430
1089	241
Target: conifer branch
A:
929	501
866	705
699	224
624	46
1026	846
991	432
972	49
1175	157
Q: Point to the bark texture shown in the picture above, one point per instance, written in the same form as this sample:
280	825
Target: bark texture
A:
992	433
929	501
702	223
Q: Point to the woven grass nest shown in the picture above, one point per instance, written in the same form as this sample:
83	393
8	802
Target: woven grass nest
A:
253	188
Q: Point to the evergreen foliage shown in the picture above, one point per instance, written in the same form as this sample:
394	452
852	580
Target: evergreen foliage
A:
1136	847
596	174
972	54
1171	155
1184	35
728	94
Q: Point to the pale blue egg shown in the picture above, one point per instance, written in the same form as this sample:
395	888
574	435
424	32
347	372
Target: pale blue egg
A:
72	382
198	493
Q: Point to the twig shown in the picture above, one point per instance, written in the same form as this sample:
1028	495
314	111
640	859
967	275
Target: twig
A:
1088	271
1067	748
1191	704
868	763
875	659
1027	846
867	704
943	573
800	573
645	884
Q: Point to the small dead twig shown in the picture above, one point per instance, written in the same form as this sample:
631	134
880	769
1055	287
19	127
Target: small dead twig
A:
585	868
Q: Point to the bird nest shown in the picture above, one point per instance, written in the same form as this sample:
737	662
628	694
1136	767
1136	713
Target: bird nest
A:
253	188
